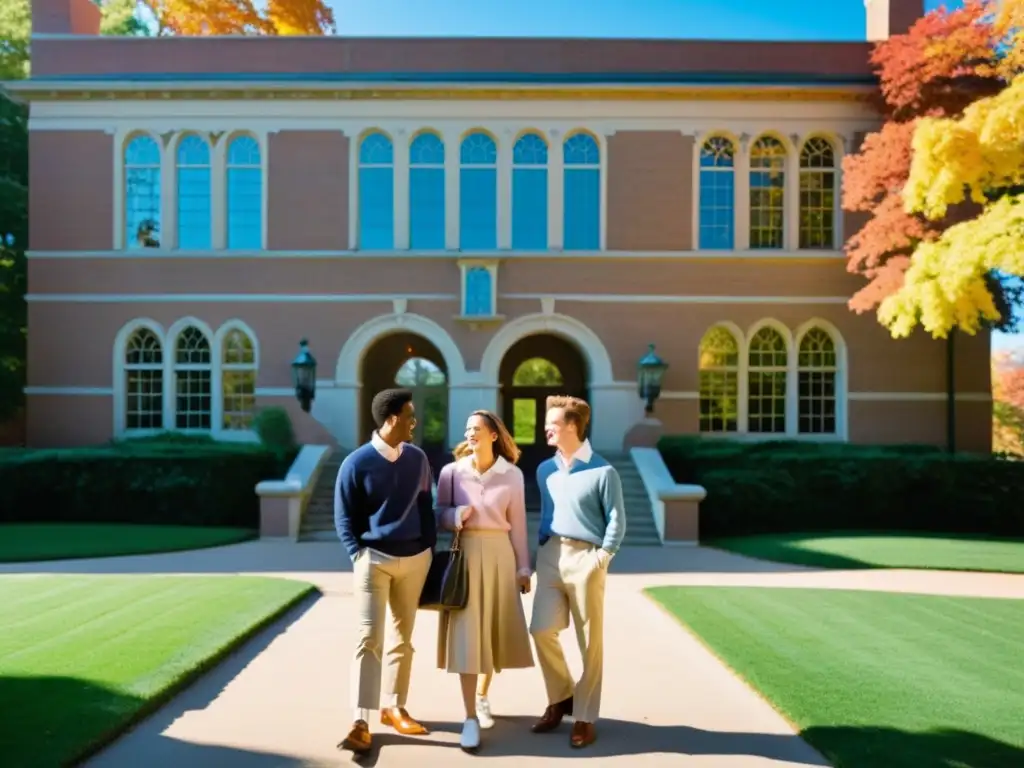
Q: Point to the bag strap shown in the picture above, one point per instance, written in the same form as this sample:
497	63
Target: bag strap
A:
451	500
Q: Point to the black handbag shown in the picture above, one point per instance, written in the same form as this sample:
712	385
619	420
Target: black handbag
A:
447	584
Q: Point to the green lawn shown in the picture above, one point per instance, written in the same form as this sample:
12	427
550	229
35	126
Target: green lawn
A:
874	679
882	550
21	543
83	657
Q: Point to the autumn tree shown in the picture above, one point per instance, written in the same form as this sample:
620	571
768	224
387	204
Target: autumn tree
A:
240	17
944	63
1008	403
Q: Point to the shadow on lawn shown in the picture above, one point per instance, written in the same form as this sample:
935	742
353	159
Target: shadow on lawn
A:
52	720
870	747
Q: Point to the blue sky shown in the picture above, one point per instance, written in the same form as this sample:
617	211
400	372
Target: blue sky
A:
694	19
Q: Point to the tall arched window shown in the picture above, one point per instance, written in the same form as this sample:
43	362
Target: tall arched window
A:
376	192
530	193
142	209
195	199
767	193
817	367
426	193
478	193
766	382
717	194
582	206
238	380
719	381
817	194
244	194
144	381
193	380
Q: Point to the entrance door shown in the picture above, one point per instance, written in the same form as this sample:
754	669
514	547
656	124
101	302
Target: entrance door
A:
430	399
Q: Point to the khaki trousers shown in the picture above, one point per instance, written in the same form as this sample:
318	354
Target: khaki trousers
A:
570	582
380	582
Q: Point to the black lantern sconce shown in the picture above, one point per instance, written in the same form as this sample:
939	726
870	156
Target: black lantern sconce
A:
304	376
650	371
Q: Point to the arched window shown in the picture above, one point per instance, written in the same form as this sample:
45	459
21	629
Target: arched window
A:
430	398
195	212
244	194
478	193
144	381
238	380
142	209
479	292
193	380
530	193
582	205
766	382
426	193
817	366
719	381
376	192
817	194
537	372
717	194
767	193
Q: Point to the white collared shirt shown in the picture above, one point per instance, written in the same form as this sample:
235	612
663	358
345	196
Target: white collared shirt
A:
467	466
385	450
584	454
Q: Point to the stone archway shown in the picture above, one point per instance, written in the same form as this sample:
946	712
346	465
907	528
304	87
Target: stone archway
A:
532	369
411	361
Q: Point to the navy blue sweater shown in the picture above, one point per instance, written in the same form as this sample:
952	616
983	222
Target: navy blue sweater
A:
384	505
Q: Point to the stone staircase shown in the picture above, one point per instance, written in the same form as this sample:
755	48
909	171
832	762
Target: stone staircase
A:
318	522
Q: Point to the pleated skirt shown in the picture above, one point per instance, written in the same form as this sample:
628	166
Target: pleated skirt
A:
490	633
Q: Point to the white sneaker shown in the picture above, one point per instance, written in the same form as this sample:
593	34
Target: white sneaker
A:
470	739
483	712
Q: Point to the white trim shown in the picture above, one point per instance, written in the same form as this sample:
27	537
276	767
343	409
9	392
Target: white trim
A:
618	298
233	298
552	254
348	369
60	391
842	370
599	363
918	397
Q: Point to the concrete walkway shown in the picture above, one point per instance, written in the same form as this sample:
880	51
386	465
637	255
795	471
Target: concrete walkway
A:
282	700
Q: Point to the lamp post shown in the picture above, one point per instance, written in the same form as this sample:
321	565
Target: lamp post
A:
650	371
304	376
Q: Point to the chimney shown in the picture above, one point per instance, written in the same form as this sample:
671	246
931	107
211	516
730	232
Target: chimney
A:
886	18
65	17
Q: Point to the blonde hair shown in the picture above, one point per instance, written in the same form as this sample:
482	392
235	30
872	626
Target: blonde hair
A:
577	411
504	446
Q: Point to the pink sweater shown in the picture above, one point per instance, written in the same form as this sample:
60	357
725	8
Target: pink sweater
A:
497	497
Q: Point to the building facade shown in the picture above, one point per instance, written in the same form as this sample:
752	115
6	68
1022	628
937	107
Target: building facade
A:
488	221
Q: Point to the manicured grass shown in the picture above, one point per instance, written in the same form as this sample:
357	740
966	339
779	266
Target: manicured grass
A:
882	550
83	657
874	679
23	542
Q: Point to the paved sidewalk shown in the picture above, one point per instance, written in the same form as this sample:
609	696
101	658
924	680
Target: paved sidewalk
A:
282	700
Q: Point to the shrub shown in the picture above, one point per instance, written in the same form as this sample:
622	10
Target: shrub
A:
181	480
274	426
791	486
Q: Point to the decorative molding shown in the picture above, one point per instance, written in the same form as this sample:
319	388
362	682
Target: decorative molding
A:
399	306
231	298
547	305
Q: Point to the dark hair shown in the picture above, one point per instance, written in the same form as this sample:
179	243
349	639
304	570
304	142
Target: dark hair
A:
388	403
576	411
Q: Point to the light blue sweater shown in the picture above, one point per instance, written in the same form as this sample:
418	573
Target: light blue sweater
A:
584	503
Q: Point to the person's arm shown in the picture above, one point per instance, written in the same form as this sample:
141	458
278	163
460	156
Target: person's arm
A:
547	507
346	510
517	521
447	514
614	511
425	501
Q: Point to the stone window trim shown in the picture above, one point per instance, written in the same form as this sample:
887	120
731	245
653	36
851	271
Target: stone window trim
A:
168	143
168	338
478	320
792	341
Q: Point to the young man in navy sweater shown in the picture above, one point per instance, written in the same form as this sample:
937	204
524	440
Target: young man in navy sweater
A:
384	514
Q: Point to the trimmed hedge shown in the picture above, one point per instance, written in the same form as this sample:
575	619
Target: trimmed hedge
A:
791	486
167	480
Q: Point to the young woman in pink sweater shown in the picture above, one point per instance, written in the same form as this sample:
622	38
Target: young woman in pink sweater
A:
481	494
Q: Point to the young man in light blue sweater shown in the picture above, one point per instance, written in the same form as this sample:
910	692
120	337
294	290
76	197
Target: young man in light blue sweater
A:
582	524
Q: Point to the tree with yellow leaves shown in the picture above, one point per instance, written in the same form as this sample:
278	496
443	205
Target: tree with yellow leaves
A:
976	158
240	17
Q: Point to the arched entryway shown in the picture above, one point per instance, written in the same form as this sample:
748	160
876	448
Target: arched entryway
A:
534	368
411	361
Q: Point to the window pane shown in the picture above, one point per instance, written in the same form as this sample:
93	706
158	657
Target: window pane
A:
239	393
245	208
582	214
194	398
524	421
194	208
376	208
478	292
530	208
426	208
142	193
717	209
478	209
144	398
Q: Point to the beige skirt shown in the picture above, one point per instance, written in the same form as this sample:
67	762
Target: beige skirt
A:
490	633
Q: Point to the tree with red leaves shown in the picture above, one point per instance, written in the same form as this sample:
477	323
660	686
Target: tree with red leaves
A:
945	62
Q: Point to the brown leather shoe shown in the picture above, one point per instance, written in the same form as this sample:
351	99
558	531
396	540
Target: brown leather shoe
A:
399	719
552	716
358	739
583	735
